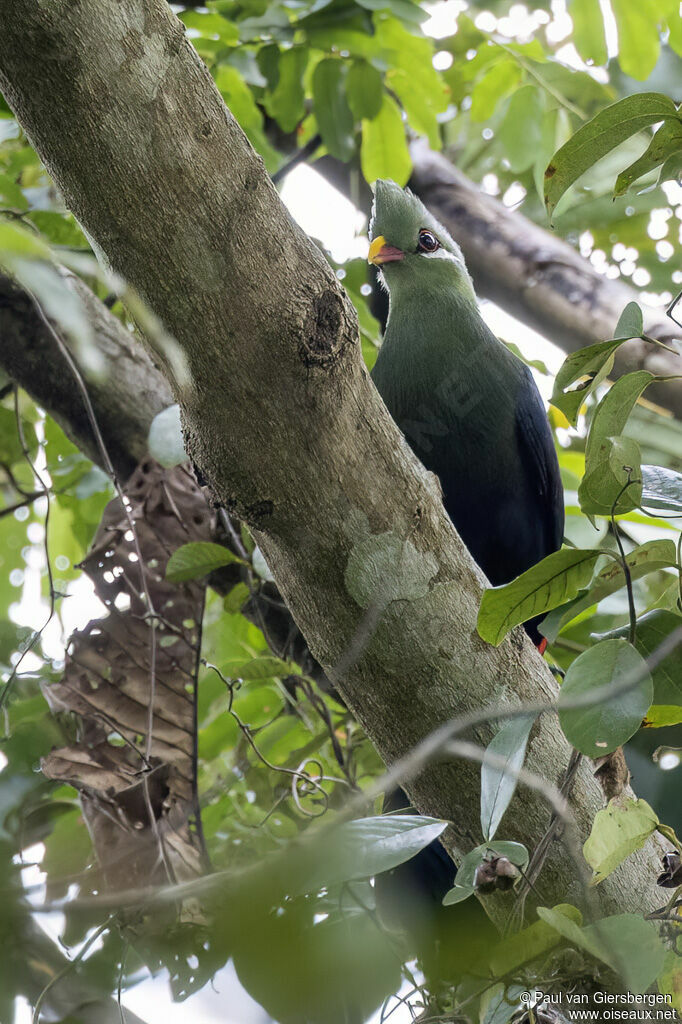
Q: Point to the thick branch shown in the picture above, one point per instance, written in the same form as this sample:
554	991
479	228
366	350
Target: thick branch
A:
128	392
281	414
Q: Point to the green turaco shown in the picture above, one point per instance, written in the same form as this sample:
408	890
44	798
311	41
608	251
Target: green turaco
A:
468	407
471	412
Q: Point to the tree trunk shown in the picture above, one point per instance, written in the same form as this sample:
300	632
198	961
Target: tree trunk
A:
279	411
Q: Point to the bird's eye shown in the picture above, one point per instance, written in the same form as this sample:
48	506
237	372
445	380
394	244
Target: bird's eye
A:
427	241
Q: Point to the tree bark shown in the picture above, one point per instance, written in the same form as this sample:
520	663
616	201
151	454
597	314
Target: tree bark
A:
128	393
279	411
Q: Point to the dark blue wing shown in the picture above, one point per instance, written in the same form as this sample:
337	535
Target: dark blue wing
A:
541	466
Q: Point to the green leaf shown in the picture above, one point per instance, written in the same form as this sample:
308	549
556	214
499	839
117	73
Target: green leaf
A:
611	126
236	598
411	75
613	484
364	90
59	229
384	152
165	441
365	847
18	241
420	114
498	785
662	488
551	582
210	25
671	169
599	729
499	1003
404	10
530	943
11	448
286	102
580	374
522	128
652	629
613	412
626	942
244	108
197	559
630	323
11	194
492	87
589	36
660	716
263	668
333	115
647	558
666	144
457	894
617	831
669	980
639	43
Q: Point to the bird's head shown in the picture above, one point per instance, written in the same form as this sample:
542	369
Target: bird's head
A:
410	246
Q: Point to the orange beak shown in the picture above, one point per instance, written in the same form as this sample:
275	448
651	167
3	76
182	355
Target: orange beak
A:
380	253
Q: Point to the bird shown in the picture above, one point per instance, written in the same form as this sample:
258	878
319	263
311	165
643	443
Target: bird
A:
471	412
467	405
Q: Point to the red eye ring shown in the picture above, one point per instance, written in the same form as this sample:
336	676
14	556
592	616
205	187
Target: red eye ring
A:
427	241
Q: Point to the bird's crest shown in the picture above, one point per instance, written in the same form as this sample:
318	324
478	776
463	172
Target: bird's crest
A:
398	214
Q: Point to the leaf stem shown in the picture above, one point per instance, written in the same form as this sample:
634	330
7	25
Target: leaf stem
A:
624	562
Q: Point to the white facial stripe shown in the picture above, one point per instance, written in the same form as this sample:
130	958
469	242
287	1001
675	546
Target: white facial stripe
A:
440	254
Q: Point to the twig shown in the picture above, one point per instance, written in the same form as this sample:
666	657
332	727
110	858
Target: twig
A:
300	156
69	967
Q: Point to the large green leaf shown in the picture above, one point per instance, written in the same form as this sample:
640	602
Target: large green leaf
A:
497	82
191	561
530	943
608	129
412	77
639	43
261	668
554	580
498	785
617	831
17	241
580	374
384	152
613	411
645	559
613	485
626	942
332	113
243	107
598	729
285	102
652	629
589	36
522	128
365	847
364	90
630	322
404	10
666	143
662	488
208	24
